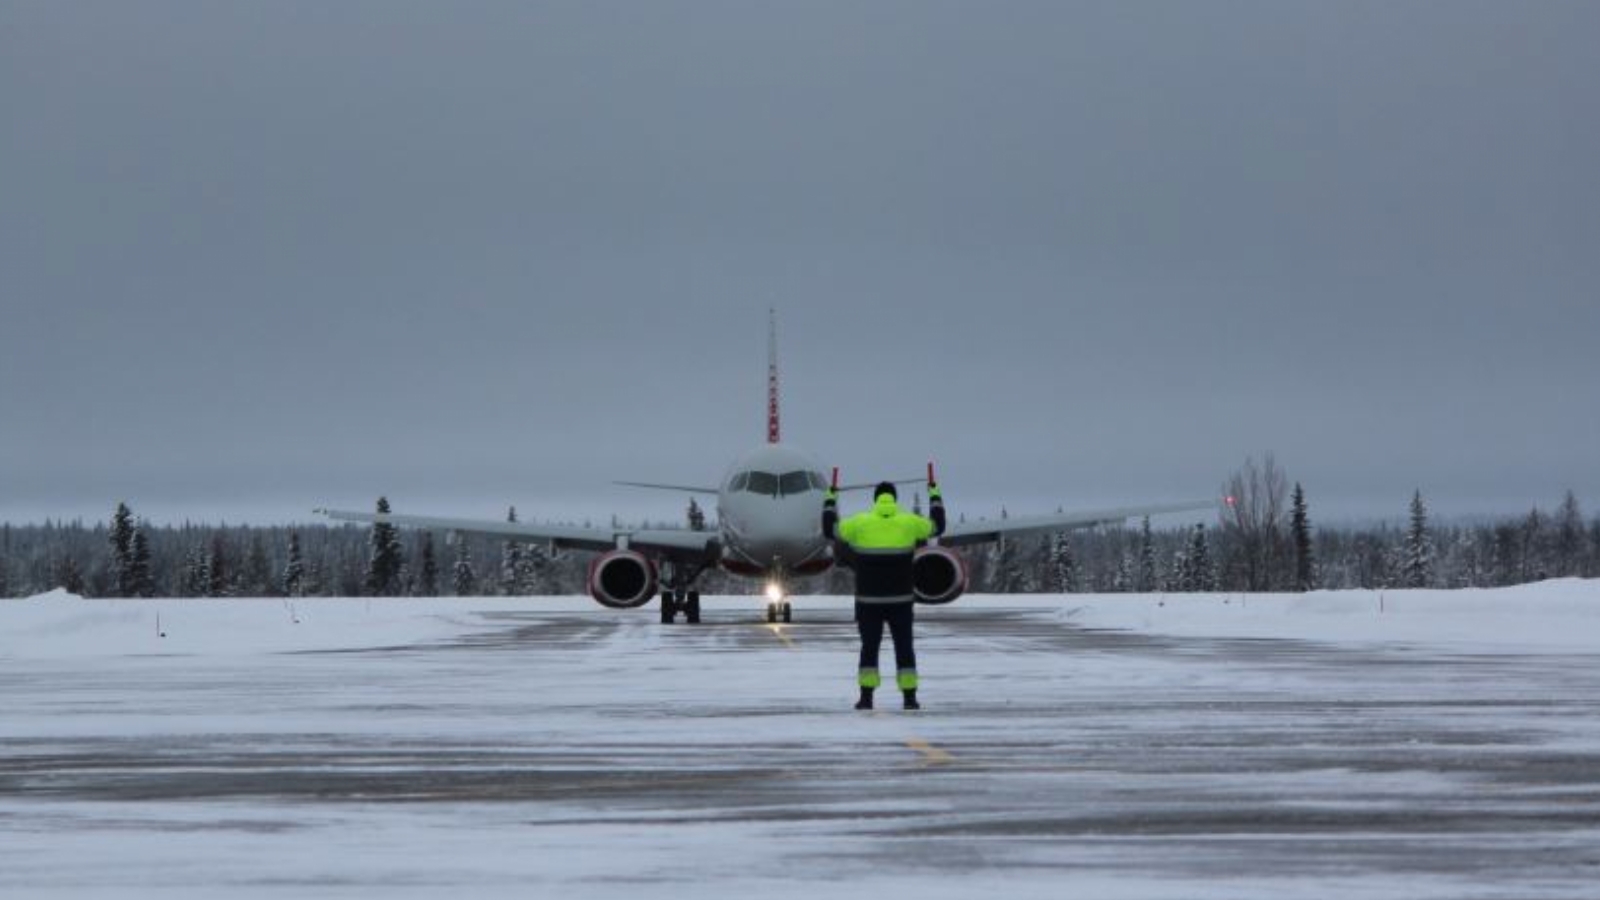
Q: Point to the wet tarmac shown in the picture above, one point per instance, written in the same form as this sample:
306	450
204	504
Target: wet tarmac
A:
596	754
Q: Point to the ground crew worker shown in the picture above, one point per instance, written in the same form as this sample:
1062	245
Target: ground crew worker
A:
881	544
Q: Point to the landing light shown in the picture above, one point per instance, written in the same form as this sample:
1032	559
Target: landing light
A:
774	592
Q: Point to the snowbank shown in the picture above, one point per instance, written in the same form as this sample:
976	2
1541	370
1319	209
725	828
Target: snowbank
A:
1554	616
59	624
1562	615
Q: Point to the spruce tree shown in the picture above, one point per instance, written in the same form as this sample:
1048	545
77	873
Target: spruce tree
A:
428	583
697	516
294	570
511	562
1416	565
5	579
464	579
384	557
140	577
255	578
1592	568
1063	567
1148	578
1569	549
1300	531
219	568
1197	570
1535	565
121	537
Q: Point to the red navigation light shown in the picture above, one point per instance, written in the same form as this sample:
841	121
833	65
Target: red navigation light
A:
1230	500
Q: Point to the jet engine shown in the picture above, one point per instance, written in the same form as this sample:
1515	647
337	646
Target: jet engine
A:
939	573
622	579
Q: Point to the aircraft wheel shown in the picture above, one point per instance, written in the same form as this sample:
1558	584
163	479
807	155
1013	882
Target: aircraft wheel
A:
669	608
788	612
691	610
772	613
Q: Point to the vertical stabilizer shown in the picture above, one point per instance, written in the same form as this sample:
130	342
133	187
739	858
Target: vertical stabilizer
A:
773	432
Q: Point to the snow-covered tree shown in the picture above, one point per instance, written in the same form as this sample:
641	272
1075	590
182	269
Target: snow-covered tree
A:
294	570
511	562
697	516
1416	566
141	579
385	558
219	568
121	537
428	571
1534	551
1126	576
1063	567
255	575
1148	579
464	579
1197	571
1300	534
1568	556
195	580
5	578
534	571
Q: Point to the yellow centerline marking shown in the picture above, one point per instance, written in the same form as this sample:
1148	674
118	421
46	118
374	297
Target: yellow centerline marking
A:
931	755
777	631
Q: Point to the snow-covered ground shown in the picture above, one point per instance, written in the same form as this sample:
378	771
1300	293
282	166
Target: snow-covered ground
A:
1408	744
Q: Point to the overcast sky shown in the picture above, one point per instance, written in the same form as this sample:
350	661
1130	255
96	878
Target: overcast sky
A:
261	257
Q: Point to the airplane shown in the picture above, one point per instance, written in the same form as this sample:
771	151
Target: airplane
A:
769	527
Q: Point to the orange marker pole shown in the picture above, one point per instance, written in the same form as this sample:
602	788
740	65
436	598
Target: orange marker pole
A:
931	482
836	479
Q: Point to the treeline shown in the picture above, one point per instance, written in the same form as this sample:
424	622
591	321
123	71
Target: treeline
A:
1263	541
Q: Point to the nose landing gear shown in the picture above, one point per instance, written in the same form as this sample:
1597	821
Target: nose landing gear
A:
778	606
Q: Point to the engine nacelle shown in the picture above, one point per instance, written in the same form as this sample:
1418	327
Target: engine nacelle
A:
622	579
939	573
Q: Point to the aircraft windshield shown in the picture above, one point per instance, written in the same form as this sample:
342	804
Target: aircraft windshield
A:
763	483
738	482
794	483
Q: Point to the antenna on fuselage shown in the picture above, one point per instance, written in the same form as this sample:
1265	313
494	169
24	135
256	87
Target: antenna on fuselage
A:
773	433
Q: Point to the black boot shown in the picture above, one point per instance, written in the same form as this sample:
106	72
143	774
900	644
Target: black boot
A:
911	699
866	699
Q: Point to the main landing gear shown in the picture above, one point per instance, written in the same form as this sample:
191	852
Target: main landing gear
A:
779	610
679	601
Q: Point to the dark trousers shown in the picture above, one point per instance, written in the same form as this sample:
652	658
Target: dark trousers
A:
870	619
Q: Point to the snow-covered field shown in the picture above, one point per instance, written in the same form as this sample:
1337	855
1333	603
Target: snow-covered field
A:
1409	744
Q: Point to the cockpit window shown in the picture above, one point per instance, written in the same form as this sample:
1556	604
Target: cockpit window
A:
817	481
738	482
763	483
794	483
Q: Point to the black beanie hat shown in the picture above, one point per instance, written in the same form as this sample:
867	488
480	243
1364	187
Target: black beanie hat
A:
885	487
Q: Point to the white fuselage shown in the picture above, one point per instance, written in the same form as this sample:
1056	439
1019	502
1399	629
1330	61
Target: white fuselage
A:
769	510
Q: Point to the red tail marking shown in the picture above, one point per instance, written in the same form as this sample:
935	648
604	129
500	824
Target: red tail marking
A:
773	433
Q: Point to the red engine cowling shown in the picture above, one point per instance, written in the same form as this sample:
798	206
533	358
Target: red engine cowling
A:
939	573
622	579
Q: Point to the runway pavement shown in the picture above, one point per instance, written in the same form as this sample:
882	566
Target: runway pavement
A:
564	750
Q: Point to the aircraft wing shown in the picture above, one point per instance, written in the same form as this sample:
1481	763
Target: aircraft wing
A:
956	534
667	487
669	541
